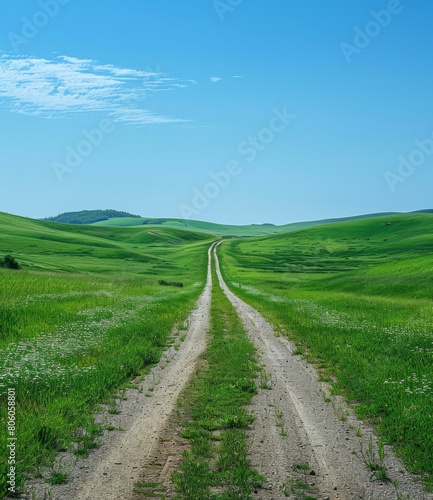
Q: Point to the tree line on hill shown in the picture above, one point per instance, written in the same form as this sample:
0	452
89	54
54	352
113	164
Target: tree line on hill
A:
89	216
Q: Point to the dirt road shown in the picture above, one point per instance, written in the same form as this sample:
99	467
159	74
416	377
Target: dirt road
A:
298	442
295	427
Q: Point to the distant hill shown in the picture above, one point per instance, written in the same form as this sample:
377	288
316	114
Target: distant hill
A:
426	211
90	216
225	230
53	246
114	218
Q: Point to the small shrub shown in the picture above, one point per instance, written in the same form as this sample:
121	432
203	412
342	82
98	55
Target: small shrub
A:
170	283
9	262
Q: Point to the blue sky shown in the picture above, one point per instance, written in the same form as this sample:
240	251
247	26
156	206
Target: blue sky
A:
228	111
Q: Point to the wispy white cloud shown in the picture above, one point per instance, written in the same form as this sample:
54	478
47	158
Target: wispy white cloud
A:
68	86
238	76
215	79
195	126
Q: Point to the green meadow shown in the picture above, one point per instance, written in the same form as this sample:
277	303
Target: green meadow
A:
92	309
356	299
84	317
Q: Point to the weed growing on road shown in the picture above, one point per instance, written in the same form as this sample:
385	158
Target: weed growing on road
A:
264	380
217	465
375	463
57	478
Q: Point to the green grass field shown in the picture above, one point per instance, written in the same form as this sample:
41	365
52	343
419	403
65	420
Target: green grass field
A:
356	298
84	317
87	314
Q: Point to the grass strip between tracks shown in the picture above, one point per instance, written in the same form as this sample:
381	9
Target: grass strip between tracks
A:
217	464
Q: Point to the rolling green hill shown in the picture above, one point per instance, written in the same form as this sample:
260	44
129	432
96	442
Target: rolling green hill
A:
356	246
41	245
112	218
224	230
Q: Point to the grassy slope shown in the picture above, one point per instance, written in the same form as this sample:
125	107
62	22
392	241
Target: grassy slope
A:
207	227
84	316
223	229
357	298
44	245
